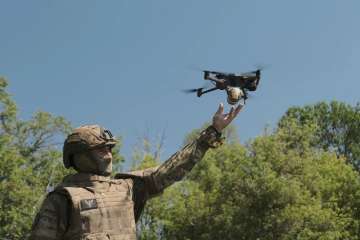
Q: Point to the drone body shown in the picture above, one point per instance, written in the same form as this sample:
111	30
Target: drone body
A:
235	85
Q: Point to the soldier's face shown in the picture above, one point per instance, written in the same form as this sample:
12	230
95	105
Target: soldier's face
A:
103	153
96	161
103	160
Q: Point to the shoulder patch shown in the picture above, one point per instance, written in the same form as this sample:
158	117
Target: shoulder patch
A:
87	204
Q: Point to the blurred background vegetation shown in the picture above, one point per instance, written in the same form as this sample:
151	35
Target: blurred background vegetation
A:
299	180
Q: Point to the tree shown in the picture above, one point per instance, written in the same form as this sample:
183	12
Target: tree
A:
338	127
31	164
278	186
291	183
145	155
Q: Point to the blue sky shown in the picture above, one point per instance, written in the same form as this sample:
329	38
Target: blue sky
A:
123	64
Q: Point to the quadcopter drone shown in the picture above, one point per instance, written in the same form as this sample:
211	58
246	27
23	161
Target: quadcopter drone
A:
235	85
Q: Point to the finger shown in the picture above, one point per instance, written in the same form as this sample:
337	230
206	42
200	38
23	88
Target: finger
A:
238	109
231	111
220	109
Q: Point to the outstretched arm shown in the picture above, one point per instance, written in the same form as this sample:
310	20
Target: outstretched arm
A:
150	182
175	168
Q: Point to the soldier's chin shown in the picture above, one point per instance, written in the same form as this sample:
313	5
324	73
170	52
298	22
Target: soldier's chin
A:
105	169
106	173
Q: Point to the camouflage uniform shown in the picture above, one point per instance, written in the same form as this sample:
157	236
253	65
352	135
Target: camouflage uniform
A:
89	206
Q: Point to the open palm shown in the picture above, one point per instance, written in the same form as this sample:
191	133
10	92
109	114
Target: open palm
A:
221	120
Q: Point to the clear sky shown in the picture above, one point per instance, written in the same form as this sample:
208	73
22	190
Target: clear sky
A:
123	64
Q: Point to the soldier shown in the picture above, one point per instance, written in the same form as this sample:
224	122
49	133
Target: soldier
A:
90	205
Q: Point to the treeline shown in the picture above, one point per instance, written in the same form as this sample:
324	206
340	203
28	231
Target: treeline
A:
299	180
30	164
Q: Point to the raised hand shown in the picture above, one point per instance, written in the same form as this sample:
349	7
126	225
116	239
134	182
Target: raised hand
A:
221	120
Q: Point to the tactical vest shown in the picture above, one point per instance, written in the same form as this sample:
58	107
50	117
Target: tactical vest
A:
103	209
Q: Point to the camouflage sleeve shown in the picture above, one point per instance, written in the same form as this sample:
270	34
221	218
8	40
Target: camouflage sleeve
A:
51	221
179	164
152	181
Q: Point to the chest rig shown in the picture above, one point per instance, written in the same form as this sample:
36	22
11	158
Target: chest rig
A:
102	209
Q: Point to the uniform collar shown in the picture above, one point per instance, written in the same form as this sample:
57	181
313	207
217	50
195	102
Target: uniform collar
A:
86	177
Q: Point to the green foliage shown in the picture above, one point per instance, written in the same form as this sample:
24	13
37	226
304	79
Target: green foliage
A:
292	183
338	127
146	155
31	163
118	159
278	186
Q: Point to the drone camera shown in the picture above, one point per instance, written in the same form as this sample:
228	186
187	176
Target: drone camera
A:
234	95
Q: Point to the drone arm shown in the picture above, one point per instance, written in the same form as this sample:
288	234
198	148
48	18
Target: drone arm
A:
209	90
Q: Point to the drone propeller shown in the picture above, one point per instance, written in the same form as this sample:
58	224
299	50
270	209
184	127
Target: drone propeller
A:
216	72
193	90
258	69
205	86
261	68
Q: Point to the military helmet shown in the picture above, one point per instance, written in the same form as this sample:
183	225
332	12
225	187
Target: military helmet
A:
85	138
